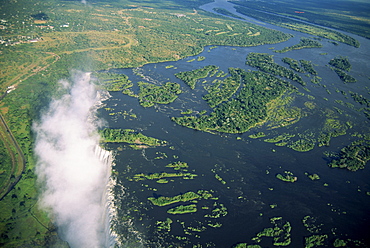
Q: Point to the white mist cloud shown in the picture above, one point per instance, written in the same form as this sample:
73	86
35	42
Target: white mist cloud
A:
73	176
83	1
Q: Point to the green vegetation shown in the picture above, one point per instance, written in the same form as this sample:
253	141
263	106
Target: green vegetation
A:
293	64
363	101
129	136
221	91
341	62
302	145
339	243
257	135
246	110
307	66
353	157
312	176
287	177
265	63
280	138
220	179
178	166
218	211
360	99
191	77
303	43
8	164
113	81
315	240
340	65
344	76
158	176
151	94
280	232
331	127
296	25
164	201
183	209
310	223
280	113
164	225
245	245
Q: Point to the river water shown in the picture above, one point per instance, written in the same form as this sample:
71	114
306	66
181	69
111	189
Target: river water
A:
338	203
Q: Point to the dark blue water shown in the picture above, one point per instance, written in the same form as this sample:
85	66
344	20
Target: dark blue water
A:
338	200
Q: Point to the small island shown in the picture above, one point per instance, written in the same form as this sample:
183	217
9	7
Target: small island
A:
303	43
287	177
183	209
150	94
341	66
165	200
129	136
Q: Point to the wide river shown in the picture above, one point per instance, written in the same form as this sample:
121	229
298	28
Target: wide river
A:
240	172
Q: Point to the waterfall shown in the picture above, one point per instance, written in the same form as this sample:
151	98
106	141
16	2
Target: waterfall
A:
73	170
110	236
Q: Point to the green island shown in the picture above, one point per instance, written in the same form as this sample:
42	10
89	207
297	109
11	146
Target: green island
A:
183	209
307	66
137	139
242	112
150	94
201	58
280	232
162	175
257	135
303	43
265	63
296	25
191	77
165	200
113	81
287	177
